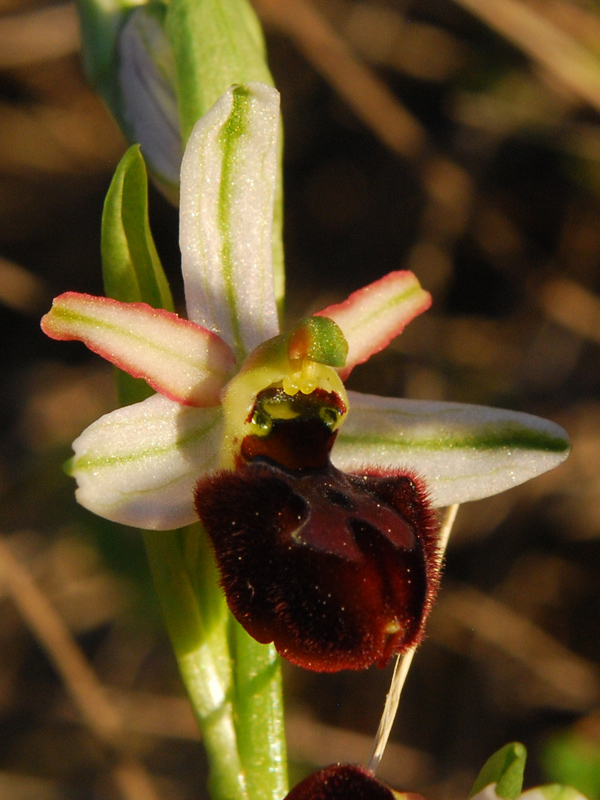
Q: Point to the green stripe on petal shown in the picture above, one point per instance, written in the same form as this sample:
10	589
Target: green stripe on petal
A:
228	179
176	357
138	465
464	452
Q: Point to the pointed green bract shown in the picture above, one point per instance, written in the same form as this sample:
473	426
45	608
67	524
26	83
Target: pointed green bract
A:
505	769
217	43
131	267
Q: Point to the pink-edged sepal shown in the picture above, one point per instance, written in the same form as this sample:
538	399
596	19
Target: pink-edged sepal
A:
374	315
178	358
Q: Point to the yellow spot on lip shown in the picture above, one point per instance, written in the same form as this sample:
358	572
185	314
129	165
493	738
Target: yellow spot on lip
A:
392	627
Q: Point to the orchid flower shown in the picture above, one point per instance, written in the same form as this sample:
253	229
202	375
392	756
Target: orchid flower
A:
501	778
244	415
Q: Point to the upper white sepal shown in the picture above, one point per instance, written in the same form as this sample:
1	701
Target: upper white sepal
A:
227	194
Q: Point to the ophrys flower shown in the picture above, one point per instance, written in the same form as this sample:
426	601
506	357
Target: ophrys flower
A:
257	424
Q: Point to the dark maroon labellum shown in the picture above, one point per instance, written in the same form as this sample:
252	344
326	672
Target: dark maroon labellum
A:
338	570
345	782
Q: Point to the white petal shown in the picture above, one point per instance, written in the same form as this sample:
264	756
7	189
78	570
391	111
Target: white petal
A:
552	791
464	452
138	465
489	793
228	178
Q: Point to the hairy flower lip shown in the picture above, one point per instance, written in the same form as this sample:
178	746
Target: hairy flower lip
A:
356	782
338	570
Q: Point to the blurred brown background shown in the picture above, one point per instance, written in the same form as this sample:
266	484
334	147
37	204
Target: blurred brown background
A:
458	139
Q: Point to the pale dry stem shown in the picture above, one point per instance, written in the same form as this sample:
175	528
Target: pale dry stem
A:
392	701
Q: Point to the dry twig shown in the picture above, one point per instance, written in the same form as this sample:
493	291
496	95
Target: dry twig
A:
364	92
100	715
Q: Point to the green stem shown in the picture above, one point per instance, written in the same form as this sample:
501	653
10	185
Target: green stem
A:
235	688
199	635
259	704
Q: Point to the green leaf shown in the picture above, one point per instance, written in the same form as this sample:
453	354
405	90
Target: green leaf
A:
131	267
505	768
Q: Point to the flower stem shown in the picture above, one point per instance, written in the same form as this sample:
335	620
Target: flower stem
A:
259	705
234	683
198	632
